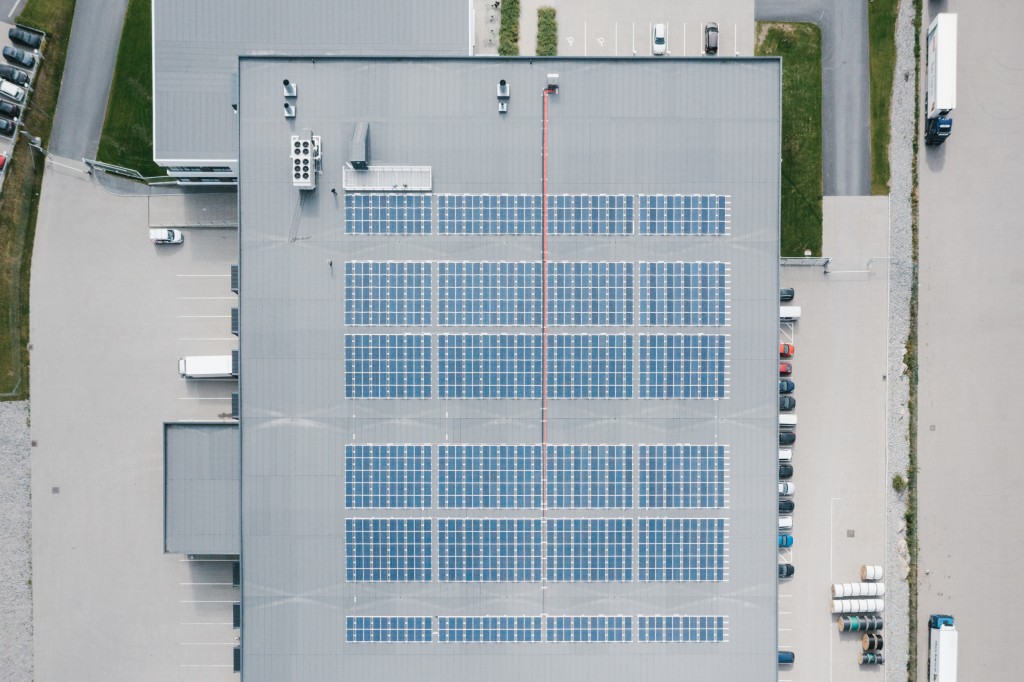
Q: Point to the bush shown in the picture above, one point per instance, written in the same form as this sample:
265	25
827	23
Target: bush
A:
508	35
899	484
547	32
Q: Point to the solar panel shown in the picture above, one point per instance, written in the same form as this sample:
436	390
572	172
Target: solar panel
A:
684	214
489	365
586	293
482	293
387	213
387	293
488	550
690	550
588	550
387	550
682	366
387	365
489	213
590	476
488	476
682	476
682	628
489	629
590	214
590	366
388	629
590	629
387	476
682	293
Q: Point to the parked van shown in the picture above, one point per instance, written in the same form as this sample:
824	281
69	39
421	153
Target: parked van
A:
789	313
787	421
9	89
785	455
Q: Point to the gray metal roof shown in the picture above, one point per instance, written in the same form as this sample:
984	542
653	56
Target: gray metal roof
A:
201	488
196	44
632	126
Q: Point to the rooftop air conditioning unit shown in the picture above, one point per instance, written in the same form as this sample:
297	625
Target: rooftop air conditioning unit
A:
305	160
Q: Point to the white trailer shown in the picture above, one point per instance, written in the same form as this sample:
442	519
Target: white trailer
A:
940	86
942	643
206	367
789	313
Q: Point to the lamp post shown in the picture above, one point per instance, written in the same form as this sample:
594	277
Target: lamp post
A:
35	143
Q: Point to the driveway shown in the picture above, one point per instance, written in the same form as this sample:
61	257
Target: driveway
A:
846	96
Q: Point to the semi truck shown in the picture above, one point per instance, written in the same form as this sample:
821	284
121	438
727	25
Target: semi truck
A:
206	367
941	649
940	90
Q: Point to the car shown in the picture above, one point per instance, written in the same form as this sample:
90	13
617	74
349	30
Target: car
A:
9	89
785	368
787	437
785	522
658	40
20	35
787	350
18	56
787	403
3	162
786	506
7	127
787	294
785	540
787	488
9	110
711	38
166	236
12	74
785	455
785	471
786	570
786	386
786	657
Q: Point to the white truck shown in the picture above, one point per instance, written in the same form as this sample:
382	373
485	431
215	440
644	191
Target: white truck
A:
940	90
941	649
206	367
789	313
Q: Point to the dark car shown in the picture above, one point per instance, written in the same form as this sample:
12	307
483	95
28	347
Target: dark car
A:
785	368
785	471
787	403
20	35
16	76
786	506
7	127
786	294
13	54
786	570
9	110
787	437
786	386
711	38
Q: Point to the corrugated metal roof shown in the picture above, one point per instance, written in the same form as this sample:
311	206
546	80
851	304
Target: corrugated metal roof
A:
202	478
196	45
630	126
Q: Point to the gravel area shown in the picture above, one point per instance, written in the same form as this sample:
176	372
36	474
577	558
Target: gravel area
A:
15	544
901	160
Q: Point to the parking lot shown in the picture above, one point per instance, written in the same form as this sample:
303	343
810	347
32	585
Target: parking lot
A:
11	116
839	459
111	313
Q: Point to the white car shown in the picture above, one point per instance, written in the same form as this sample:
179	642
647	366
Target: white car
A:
658	40
166	236
785	522
786	488
785	455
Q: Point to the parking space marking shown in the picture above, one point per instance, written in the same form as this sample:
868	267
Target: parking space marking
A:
207	298
210	338
224	623
13	9
225	276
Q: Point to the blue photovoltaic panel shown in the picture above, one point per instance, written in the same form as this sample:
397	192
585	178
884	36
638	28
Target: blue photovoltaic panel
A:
387	365
387	213
590	214
488	476
387	293
682	476
584	550
387	476
682	628
590	366
590	629
388	628
489	365
481	293
683	214
489	213
682	550
585	293
489	629
682	294
590	476
682	365
488	550
387	550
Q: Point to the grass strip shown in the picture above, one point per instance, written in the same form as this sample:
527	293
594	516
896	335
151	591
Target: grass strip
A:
882	64
547	32
799	45
508	34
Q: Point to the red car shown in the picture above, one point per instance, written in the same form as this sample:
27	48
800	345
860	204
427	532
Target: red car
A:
787	350
3	162
785	369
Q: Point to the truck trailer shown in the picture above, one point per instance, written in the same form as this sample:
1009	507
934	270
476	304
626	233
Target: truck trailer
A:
206	367
940	90
941	649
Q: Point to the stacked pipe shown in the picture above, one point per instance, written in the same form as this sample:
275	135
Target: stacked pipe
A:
859	623
858	605
870	572
841	590
871	658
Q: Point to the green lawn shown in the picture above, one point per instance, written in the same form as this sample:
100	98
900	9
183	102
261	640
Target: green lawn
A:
882	50
547	32
508	33
127	138
799	45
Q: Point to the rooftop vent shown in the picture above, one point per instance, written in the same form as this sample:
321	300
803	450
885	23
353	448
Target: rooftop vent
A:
290	89
502	107
289	110
503	89
553	82
305	160
359	156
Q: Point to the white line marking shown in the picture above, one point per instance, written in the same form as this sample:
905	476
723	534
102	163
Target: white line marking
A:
224	399
204	583
207	298
208	601
206	665
206	623
227	275
203	317
208	643
14	9
210	338
207	560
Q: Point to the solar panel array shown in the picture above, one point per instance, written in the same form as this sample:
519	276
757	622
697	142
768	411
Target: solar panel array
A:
488	365
590	629
673	549
674	214
373	213
387	476
682	628
682	294
682	476
489	629
387	293
387	550
585	293
590	550
590	214
489	550
682	366
489	477
387	366
590	366
482	293
388	629
489	213
590	476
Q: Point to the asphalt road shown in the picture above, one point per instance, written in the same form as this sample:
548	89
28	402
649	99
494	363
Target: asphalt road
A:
846	124
88	70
